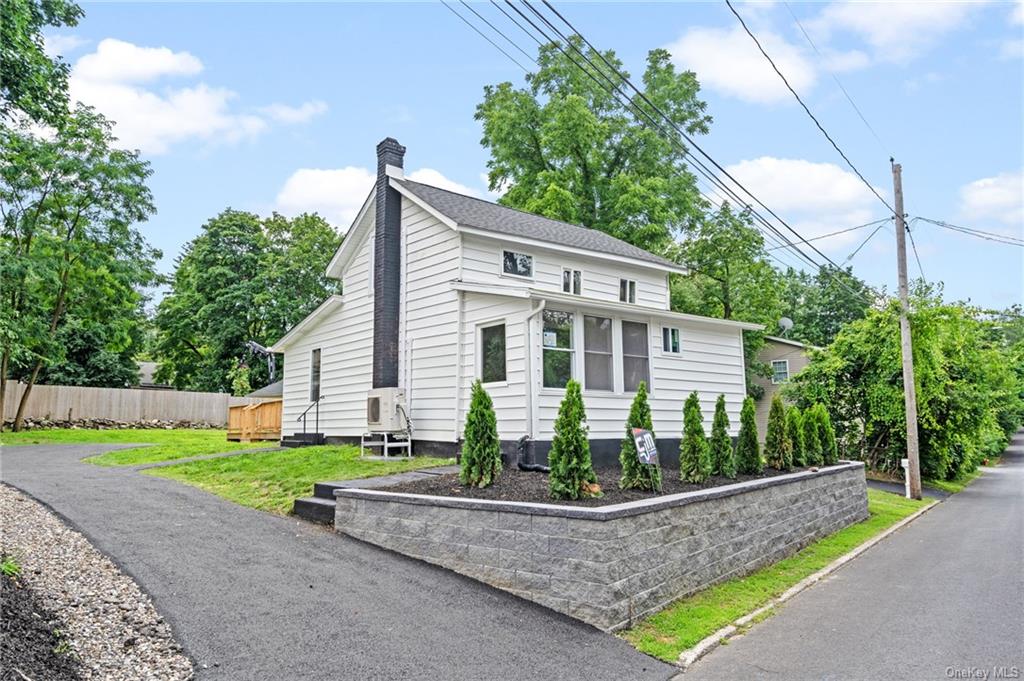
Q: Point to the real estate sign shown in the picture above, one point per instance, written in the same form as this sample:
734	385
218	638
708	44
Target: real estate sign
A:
646	449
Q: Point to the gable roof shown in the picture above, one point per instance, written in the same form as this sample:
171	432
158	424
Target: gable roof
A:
310	321
474	213
790	341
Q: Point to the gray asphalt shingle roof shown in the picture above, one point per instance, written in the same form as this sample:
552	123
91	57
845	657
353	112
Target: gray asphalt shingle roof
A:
490	217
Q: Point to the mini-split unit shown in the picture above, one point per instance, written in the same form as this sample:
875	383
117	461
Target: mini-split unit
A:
386	410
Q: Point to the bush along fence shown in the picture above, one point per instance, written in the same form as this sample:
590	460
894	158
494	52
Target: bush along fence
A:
610	565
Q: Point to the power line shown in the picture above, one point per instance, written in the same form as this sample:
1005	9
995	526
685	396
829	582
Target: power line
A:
485	37
863	243
988	236
835	77
910	233
807	110
496	30
844	231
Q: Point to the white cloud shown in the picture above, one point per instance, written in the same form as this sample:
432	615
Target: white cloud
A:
815	198
119	79
57	44
1011	49
999	198
284	113
1017	13
117	61
729	61
898	31
338	193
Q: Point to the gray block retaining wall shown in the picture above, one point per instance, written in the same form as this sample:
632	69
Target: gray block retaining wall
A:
610	565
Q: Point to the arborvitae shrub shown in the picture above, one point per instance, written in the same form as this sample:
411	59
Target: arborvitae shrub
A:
827	436
812	439
480	462
778	450
748	451
723	456
694	453
572	473
636	475
795	433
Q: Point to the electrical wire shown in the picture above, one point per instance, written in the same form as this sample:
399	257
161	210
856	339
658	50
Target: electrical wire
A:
988	236
806	109
485	37
844	231
913	246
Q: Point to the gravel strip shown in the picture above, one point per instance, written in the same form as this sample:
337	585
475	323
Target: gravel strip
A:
110	626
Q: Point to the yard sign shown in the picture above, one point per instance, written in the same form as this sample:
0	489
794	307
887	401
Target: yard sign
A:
646	450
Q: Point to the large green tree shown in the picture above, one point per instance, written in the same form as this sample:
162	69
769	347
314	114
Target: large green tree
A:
69	247
243	278
822	303
565	147
31	82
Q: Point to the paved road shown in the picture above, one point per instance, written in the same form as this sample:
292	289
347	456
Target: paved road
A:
255	596
940	597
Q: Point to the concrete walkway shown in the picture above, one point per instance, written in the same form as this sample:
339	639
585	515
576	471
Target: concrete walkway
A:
941	599
255	596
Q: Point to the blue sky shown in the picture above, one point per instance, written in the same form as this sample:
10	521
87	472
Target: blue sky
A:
279	106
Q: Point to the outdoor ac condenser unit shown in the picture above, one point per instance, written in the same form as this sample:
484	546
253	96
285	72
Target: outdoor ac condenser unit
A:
385	410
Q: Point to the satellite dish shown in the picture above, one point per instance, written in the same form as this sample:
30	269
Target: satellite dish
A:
785	324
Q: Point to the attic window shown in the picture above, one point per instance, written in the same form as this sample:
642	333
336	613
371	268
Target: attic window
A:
517	264
572	281
627	291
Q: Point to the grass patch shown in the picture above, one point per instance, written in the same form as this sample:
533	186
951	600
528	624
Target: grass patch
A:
164	445
681	625
271	481
9	566
952	486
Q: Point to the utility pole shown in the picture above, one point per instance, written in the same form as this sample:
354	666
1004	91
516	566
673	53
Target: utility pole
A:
913	471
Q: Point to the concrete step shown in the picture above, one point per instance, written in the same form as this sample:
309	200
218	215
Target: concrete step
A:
315	509
302	439
325	490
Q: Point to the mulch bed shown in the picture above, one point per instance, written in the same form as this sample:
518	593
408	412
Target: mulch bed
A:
516	485
30	643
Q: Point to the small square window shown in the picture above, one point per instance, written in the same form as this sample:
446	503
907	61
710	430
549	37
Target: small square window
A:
780	371
517	264
572	281
627	290
670	340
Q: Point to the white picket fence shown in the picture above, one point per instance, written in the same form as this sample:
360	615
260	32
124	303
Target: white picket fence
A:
62	402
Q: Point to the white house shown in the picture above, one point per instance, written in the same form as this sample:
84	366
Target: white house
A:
440	289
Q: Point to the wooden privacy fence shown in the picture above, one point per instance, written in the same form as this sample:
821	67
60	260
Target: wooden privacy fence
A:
247	422
61	402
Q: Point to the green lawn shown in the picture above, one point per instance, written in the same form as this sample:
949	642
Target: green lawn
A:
165	445
952	486
271	481
668	633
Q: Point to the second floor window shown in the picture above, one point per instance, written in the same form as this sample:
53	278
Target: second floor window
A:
572	281
627	290
517	264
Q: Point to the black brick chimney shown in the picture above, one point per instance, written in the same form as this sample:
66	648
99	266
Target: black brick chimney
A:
387	277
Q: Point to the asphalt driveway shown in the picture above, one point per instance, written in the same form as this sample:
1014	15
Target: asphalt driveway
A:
250	595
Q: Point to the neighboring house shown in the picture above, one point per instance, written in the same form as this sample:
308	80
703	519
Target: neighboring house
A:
147	370
786	358
440	289
269	391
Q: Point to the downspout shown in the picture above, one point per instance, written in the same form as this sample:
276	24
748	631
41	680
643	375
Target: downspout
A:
458	365
530	384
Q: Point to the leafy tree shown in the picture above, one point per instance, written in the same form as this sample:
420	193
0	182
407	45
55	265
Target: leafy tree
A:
731	278
243	278
723	457
572	473
566	148
795	434
748	449
820	305
93	354
694	452
814	451
969	386
778	449
480	462
69	248
33	83
637	475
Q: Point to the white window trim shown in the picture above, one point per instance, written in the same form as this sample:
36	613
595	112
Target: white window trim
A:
320	375
774	382
629	282
517	277
577	340
583	340
571	269
650	357
669	353
479	356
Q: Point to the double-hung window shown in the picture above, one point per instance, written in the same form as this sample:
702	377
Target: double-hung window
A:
517	264
780	371
314	375
627	291
635	356
572	281
492	354
558	348
670	340
597	353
